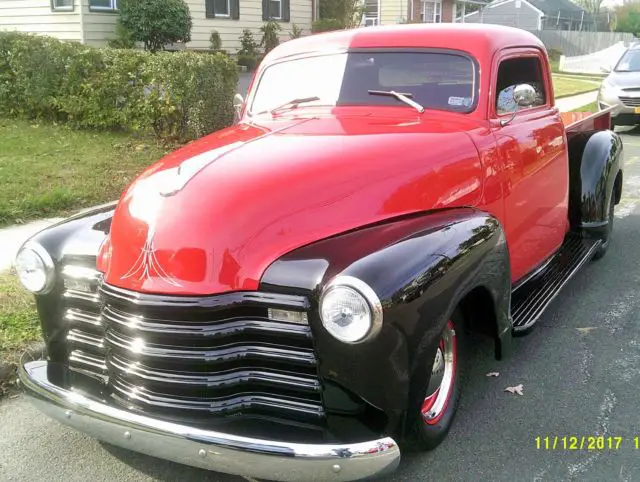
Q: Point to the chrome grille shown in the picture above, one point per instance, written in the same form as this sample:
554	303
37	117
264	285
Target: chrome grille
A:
630	101
216	355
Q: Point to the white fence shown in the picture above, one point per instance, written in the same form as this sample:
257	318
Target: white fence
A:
595	62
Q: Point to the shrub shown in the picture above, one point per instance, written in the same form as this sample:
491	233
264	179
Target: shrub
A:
123	38
296	32
176	96
347	13
156	23
326	25
270	40
248	55
215	41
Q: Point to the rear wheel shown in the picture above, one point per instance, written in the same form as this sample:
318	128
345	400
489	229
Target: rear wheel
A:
432	416
606	238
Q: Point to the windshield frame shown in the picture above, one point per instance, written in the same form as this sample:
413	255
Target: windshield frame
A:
615	69
426	50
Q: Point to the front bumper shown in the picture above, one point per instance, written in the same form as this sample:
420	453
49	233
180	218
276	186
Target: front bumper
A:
207	449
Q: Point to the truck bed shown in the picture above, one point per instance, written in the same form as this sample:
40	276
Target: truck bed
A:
575	122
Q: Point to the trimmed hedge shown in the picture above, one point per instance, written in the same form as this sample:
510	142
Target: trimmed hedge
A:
177	96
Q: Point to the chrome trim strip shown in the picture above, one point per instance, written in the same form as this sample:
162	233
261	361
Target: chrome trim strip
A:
214	380
77	336
289	462
225	352
73	315
209	329
82	295
80	272
215	405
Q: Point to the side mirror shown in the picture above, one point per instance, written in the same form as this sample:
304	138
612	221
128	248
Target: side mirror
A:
605	69
524	95
238	103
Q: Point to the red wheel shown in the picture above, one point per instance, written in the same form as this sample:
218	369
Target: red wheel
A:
443	375
438	387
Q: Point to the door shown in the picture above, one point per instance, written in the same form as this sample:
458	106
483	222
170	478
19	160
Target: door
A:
533	150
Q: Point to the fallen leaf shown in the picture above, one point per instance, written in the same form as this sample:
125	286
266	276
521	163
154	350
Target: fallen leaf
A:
493	374
517	389
585	330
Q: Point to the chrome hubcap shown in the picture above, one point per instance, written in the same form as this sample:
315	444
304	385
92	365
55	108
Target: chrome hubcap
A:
442	377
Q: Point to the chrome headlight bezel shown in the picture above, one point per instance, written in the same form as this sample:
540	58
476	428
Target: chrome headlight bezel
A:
47	265
368	295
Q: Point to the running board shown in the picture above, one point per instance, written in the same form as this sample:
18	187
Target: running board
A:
530	299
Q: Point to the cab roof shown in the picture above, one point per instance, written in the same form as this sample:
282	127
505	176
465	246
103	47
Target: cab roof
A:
479	40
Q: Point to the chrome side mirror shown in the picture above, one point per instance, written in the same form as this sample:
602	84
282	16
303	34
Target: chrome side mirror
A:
524	96
238	103
605	69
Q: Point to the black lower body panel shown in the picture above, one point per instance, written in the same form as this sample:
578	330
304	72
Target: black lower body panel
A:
530	299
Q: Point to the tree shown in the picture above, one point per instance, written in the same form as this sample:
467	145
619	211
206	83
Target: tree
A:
156	23
628	18
348	13
591	6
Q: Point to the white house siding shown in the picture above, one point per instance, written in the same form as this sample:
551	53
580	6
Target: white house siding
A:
393	11
98	26
36	16
250	17
512	13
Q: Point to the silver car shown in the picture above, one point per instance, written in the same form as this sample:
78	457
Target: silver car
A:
621	88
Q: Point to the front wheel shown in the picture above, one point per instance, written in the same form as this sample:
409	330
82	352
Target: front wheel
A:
431	418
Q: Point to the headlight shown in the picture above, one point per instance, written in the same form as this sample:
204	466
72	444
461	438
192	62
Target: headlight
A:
35	268
350	310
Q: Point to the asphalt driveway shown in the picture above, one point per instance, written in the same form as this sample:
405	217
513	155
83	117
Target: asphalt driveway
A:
580	370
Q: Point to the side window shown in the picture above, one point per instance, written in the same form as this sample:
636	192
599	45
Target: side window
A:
525	70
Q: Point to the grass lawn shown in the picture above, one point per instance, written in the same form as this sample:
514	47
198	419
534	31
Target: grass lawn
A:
19	324
50	170
593	107
564	86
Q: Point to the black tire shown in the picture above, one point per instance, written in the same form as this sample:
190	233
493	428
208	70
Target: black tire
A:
426	428
606	237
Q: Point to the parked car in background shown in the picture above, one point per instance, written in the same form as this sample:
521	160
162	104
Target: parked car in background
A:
288	298
621	88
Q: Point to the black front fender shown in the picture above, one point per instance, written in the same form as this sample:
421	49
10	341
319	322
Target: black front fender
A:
420	267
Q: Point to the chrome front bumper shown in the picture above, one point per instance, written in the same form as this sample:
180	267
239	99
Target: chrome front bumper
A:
207	449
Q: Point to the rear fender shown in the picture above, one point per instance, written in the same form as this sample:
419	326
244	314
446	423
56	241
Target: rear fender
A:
595	161
420	267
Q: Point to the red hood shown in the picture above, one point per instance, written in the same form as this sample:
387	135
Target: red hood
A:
246	195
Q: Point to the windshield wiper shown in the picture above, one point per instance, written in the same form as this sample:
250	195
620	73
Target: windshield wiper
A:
292	104
406	98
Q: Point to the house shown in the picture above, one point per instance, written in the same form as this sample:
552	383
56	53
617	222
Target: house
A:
533	15
386	12
92	22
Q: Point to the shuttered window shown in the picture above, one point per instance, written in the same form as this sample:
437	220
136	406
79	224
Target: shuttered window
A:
223	9
276	10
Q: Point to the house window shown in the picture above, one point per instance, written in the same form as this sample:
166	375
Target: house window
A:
431	12
275	9
103	5
64	5
222	8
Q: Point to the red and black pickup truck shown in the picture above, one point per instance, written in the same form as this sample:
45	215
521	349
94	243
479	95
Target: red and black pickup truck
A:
287	298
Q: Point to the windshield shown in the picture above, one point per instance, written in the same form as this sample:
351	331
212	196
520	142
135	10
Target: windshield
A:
630	62
445	81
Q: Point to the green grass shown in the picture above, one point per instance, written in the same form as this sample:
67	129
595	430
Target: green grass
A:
49	170
564	86
593	107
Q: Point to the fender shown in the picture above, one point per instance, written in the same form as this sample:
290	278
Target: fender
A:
595	162
74	240
421	267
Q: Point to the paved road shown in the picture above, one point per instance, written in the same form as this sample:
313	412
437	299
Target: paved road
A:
580	370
